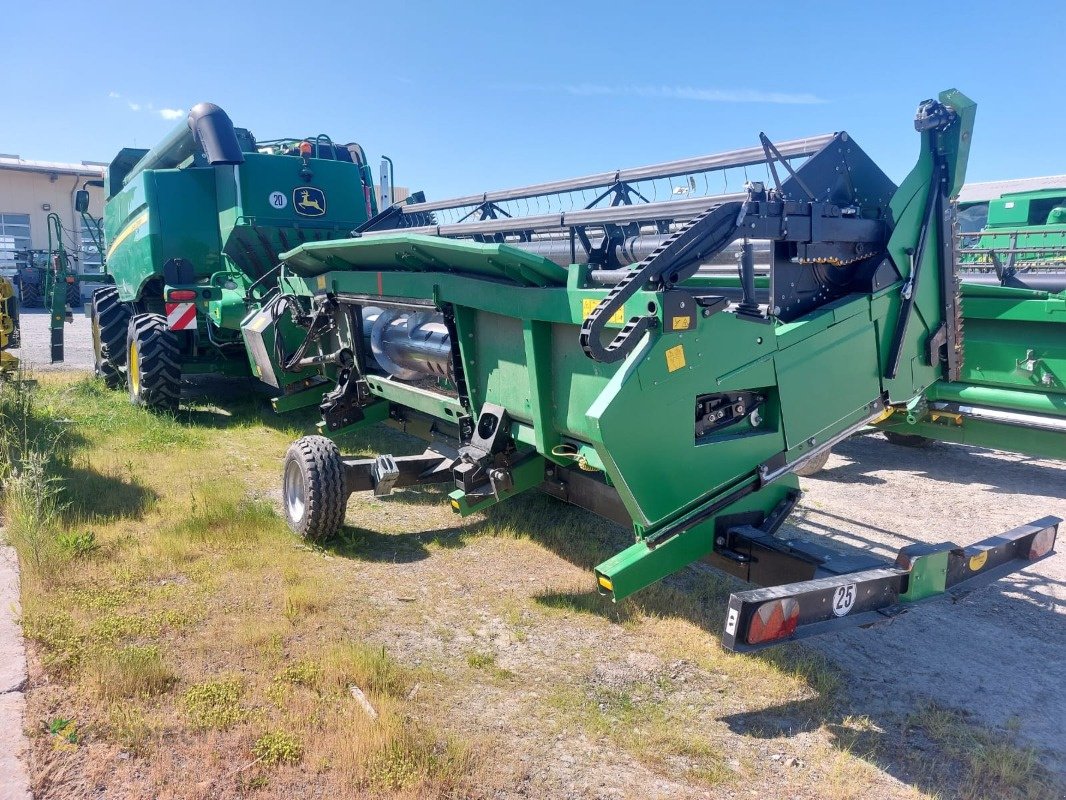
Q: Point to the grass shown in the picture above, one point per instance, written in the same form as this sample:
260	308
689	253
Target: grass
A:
990	763
169	605
176	618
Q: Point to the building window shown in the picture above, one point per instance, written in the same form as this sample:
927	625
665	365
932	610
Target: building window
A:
14	236
91	257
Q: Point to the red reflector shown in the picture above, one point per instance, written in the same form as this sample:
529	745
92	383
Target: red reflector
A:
1042	544
305	149
181	294
774	620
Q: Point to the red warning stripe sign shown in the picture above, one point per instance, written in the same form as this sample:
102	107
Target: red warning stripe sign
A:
181	316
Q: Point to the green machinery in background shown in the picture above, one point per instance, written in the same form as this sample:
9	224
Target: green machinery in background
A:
9	328
1011	391
193	230
590	348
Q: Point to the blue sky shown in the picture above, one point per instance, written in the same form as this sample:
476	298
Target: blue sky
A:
472	96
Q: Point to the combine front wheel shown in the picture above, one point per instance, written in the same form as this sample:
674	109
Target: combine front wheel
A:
110	319
153	366
313	489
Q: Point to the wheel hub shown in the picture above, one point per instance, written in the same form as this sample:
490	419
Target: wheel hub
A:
295	491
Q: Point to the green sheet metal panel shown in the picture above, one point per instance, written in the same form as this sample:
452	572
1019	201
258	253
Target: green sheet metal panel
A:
415	252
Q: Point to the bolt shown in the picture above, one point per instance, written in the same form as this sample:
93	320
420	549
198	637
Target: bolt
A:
758	340
811	441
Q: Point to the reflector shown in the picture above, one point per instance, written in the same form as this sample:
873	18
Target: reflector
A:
181	294
774	620
1042	544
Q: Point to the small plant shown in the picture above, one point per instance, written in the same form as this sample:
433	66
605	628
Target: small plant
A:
277	747
480	660
65	729
304	672
129	727
214	704
131	671
77	543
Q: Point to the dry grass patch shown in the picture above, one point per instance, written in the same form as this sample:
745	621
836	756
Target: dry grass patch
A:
134	671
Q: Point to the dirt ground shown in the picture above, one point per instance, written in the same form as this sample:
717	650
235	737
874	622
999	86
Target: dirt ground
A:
517	615
36	342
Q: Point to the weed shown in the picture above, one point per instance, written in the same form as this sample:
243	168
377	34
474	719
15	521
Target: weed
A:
369	668
63	648
214	704
129	727
131	671
77	543
301	673
301	600
277	747
65	729
479	660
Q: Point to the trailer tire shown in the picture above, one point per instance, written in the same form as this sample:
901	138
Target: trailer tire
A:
153	363
110	320
815	465
907	439
313	490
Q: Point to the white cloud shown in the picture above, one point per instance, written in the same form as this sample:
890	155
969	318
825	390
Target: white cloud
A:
171	113
685	93
134	106
113	95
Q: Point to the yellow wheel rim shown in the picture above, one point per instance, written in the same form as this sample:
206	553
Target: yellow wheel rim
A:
135	369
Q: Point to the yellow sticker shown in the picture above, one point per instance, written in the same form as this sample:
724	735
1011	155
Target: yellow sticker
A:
675	358
588	306
680	323
978	561
321	281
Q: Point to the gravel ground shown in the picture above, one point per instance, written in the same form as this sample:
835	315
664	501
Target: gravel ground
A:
1000	653
36	342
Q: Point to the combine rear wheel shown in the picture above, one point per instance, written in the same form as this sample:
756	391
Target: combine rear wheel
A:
313	489
153	363
110	319
29	295
74	296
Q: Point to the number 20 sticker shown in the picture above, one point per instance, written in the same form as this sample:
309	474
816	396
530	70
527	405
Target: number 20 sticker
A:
843	599
278	200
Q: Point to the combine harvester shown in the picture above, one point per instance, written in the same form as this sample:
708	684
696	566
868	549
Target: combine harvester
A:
193	230
592	354
1011	391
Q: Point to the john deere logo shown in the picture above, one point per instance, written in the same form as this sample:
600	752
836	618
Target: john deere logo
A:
309	201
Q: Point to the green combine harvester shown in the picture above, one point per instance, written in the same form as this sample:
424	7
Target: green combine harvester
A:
592	348
1011	391
193	230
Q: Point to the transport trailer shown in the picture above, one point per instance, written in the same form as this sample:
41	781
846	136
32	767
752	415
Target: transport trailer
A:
600	355
193	229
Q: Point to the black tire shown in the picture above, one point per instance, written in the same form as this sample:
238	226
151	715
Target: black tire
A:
153	363
30	295
815	465
110	321
313	490
907	439
74	296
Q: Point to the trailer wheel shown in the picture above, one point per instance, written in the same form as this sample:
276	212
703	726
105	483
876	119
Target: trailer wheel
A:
110	320
313	488
907	439
815	465
153	363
